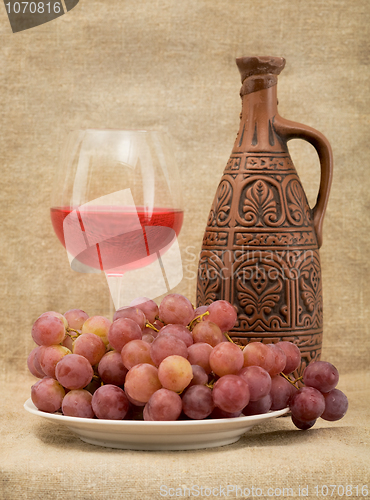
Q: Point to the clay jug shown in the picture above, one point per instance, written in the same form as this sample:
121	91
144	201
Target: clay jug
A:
261	246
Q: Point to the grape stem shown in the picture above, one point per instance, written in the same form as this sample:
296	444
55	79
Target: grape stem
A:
293	382
197	319
68	330
149	325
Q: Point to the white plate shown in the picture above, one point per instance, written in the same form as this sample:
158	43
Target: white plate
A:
140	435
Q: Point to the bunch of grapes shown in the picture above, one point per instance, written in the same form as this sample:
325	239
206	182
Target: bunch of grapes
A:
171	362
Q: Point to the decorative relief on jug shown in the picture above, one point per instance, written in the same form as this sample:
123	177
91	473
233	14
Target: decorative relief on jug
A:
261	245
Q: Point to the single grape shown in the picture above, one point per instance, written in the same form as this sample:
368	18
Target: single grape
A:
179	331
147	337
207	332
176	309
293	356
307	404
230	393
226	359
259	407
304	426
148	306
111	368
90	346
258	380
258	354
98	325
218	413
57	315
122	331
77	403
37	359
110	402
279	357
163	405
133	313
74	372
136	352
200	376
223	314
175	373
30	363
167	345
198	354
200	310
76	318
281	392
47	395
50	357
321	375
48	330
336	405
141	382
197	402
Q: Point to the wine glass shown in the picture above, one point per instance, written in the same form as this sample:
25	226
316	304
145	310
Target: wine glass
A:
116	207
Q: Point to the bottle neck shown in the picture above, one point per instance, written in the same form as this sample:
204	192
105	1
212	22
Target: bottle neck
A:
256	132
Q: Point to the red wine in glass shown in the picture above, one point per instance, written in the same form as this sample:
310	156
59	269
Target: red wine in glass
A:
108	238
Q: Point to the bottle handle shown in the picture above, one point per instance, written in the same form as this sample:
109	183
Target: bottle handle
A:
288	130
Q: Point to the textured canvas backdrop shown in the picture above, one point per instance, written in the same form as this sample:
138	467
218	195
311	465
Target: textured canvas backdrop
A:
171	65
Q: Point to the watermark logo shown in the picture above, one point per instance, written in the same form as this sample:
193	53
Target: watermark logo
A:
26	15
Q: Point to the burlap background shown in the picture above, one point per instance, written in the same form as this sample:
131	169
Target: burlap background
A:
171	65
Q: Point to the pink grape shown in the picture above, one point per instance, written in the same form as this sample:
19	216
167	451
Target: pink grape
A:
197	402
321	375
50	357
198	354
37	359
179	331
77	403
111	368
110	402
176	309
30	363
223	314
167	345
200	310
258	354
89	346
259	407
136	352
304	426
133	313
47	395
200	376
175	373
74	372
122	331
207	332
279	357
48	330
293	356
163	405
141	382
281	392
230	393
76	318
56	315
258	380
336	405
226	359
218	413
147	337
148	306
98	325
307	404
68	342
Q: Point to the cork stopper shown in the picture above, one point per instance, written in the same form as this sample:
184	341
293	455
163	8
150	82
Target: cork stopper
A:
259	72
